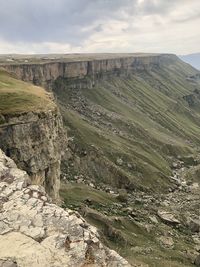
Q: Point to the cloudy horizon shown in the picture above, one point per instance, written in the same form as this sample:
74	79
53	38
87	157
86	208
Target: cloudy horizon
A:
91	26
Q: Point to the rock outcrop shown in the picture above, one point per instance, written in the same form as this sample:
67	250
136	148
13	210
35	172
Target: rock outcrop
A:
86	72
34	232
34	141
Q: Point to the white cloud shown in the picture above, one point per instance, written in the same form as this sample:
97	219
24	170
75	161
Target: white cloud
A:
129	26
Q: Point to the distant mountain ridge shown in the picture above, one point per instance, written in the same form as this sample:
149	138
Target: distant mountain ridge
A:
193	59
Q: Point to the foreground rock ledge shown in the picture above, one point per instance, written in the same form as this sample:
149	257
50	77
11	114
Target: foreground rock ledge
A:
34	232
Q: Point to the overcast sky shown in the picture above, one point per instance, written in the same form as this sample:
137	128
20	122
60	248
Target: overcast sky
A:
70	26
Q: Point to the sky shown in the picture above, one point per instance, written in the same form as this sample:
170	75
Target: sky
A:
90	26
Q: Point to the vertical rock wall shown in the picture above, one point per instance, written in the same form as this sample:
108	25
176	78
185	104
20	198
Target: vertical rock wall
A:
34	141
46	73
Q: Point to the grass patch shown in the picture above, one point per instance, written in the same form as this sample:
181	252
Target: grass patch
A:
18	97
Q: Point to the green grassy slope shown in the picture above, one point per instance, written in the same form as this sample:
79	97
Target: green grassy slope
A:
18	97
147	119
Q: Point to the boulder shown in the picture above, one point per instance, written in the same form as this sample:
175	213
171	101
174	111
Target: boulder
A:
119	161
168	217
153	219
166	241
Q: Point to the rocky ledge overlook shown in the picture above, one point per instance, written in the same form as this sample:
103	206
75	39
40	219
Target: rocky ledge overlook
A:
34	232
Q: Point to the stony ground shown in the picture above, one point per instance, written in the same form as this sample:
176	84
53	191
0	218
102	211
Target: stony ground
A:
35	232
148	229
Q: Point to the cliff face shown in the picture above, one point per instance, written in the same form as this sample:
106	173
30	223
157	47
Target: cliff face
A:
34	232
46	73
34	141
31	130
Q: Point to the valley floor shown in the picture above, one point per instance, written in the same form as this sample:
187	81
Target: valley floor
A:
147	229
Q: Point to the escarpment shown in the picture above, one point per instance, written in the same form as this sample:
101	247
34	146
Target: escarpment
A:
31	131
86	72
131	166
120	111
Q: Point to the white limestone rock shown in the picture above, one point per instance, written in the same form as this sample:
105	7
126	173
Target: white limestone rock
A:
37	233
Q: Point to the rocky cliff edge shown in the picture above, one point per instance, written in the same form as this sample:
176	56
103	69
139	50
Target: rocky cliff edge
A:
34	232
31	131
87	67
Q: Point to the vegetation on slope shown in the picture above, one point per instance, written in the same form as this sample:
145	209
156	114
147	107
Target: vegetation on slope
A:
130	132
18	97
146	120
127	227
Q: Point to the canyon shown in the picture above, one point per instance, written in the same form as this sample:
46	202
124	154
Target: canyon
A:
127	129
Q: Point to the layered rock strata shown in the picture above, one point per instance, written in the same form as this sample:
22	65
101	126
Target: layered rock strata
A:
85	72
34	141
